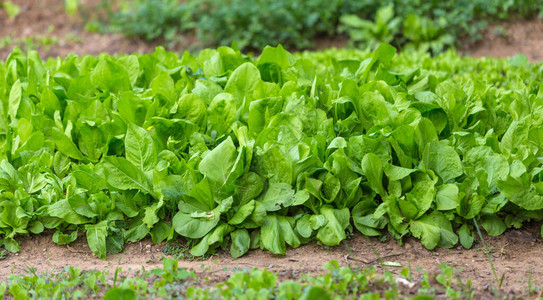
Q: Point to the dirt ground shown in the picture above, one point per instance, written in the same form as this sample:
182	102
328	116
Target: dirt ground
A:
516	256
37	17
508	39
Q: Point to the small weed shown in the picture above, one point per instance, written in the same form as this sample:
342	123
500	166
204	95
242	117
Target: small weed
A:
31	42
531	285
93	26
3	254
487	251
11	9
6	41
71	6
182	252
406	273
500	31
72	37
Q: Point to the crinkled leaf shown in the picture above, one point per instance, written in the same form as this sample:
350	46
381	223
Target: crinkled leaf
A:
333	232
443	160
277	196
434	229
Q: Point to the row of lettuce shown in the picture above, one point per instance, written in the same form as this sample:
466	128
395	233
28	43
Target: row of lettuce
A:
234	152
425	25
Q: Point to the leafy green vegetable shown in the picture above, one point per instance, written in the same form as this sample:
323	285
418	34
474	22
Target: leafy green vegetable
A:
225	150
371	34
418	25
140	148
96	237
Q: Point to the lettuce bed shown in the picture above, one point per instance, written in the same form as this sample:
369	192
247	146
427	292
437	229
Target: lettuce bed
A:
227	150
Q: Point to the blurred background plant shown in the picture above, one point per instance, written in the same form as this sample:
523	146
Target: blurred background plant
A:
31	42
424	34
293	23
71	6
420	25
370	34
151	19
11	9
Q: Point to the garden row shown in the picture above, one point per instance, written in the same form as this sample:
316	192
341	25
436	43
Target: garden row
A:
230	151
425	25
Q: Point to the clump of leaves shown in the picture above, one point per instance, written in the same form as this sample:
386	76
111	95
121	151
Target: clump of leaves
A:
423	34
368	34
268	152
151	19
220	22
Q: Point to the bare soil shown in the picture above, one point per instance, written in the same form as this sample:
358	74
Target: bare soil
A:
37	17
506	39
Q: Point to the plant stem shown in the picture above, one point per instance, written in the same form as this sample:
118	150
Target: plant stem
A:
499	282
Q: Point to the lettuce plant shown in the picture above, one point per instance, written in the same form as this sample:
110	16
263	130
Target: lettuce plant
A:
226	150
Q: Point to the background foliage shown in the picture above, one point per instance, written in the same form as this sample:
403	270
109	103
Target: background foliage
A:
424	25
